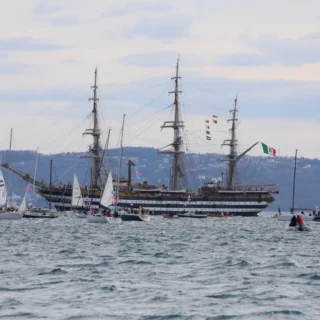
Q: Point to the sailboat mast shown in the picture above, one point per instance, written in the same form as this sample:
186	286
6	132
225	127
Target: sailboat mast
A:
34	175
177	143
294	179
233	143
9	174
50	184
95	132
120	161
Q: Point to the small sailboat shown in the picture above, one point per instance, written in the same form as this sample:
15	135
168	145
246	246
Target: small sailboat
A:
76	200
41	213
307	217
105	202
9	213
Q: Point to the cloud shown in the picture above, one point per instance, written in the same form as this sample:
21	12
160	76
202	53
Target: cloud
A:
44	7
56	15
160	59
54	94
243	60
201	95
10	68
136	8
71	61
271	50
66	20
165	27
27	44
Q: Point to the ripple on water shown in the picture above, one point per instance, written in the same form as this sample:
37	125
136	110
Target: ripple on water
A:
212	269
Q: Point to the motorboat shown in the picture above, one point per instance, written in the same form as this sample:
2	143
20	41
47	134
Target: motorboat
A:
97	217
140	214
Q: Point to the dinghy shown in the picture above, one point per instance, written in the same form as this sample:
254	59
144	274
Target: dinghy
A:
105	201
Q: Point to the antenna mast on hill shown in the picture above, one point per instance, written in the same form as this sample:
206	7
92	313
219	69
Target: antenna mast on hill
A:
95	133
177	144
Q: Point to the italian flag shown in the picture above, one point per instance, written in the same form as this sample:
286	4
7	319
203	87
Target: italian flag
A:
268	150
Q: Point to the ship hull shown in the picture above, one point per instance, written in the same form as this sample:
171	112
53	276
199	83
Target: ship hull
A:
236	204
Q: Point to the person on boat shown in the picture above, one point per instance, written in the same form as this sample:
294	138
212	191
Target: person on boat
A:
108	214
116	215
293	221
300	220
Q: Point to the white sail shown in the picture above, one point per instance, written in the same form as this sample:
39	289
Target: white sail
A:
3	191
77	199
107	196
23	205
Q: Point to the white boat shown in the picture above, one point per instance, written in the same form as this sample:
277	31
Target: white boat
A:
114	220
96	218
105	201
9	213
10	216
76	200
3	191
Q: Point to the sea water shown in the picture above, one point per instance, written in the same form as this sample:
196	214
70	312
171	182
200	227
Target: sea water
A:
233	268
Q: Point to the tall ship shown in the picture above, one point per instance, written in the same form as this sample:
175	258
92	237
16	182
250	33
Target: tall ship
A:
215	196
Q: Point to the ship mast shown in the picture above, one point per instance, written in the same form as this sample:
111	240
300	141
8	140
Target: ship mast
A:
232	143
233	156
95	133
177	144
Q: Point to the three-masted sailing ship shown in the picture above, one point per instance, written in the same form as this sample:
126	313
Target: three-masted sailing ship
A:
212	197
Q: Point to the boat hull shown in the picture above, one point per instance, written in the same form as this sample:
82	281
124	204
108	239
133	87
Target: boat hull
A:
113	220
35	216
237	203
96	219
194	216
134	217
10	216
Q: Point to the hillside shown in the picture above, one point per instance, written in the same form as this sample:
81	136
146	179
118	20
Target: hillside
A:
154	168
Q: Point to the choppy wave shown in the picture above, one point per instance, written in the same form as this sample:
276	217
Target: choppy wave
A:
239	268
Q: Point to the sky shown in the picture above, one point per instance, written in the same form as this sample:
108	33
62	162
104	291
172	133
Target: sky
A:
266	52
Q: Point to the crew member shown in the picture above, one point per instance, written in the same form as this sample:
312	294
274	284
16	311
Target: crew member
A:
293	221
